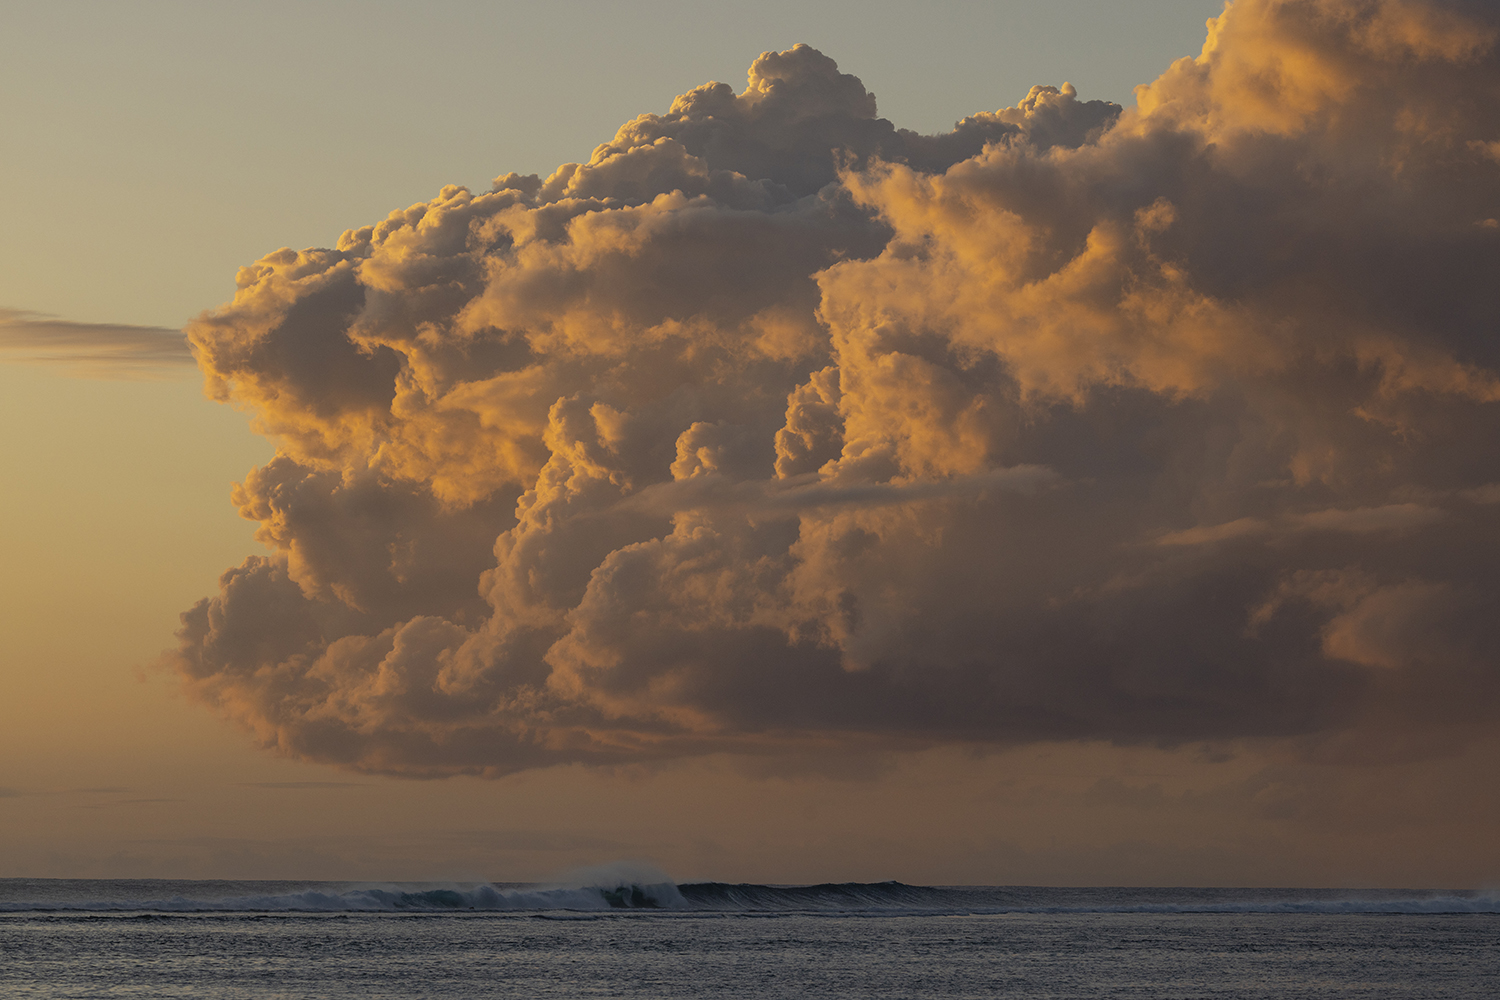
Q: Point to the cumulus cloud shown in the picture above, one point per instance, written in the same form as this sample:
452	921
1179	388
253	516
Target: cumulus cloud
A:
774	428
93	350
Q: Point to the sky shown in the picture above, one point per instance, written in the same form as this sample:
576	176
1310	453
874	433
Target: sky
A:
922	456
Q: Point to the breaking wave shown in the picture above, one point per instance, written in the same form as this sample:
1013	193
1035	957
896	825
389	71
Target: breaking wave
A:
604	891
164	896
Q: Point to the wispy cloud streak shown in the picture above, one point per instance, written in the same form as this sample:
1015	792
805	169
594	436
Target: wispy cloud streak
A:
93	350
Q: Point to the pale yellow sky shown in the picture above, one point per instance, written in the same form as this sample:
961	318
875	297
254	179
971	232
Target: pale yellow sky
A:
164	149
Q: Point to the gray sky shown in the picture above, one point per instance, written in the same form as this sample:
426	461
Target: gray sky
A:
153	148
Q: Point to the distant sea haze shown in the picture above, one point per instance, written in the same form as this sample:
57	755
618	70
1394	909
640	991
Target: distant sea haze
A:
260	939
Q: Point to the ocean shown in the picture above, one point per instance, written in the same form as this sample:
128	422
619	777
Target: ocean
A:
644	938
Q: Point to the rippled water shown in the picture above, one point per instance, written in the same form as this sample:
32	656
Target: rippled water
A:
743	941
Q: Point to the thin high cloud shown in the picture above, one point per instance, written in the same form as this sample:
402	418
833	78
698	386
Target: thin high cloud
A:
93	350
776	428
301	784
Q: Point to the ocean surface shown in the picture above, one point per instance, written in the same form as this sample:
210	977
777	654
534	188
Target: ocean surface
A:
622	937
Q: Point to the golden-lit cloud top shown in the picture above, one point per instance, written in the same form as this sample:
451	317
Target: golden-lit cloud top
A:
773	426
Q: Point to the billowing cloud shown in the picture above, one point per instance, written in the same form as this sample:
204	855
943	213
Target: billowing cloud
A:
93	350
775	428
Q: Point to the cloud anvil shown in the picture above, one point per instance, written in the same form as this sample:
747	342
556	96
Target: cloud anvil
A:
774	427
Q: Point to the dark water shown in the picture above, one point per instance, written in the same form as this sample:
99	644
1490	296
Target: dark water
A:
66	938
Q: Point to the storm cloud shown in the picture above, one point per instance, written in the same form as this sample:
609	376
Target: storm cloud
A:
775	428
